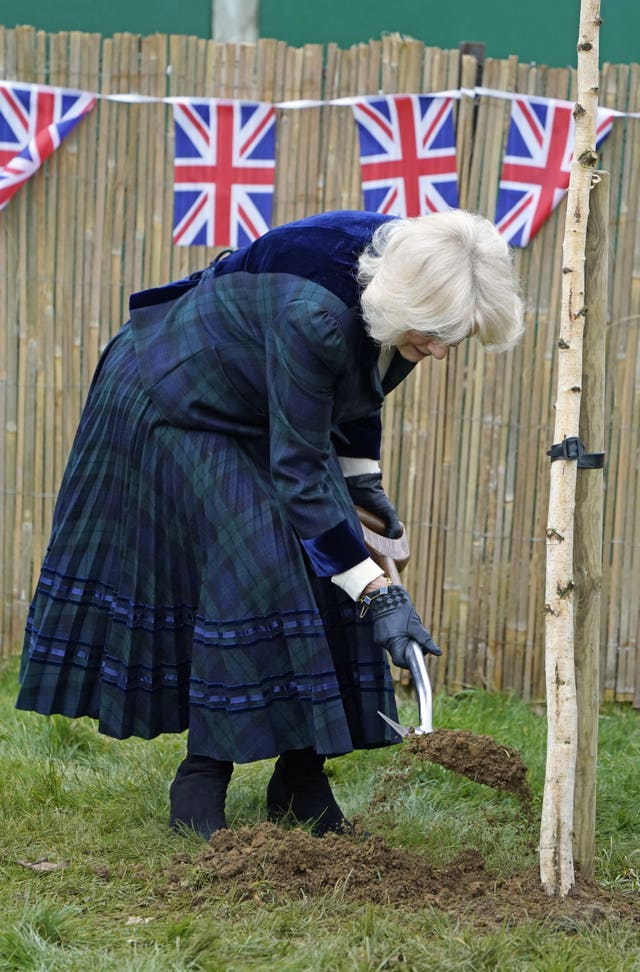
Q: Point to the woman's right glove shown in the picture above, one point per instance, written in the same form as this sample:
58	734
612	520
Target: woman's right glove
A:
396	623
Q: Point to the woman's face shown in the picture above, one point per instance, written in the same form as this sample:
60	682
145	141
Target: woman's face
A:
415	346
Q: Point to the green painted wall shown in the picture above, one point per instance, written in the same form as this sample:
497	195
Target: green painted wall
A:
544	31
134	16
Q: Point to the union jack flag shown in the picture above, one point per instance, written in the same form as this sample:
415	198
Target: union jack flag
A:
223	172
407	154
34	119
537	164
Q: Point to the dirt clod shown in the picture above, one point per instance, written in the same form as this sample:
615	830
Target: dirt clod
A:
480	758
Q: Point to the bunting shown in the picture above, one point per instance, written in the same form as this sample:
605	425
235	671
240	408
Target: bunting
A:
34	119
224	165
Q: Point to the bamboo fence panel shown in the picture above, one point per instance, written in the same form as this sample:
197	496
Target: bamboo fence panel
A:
621	530
347	159
8	365
295	150
464	444
465	125
5	304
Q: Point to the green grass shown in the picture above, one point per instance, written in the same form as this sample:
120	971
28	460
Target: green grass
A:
96	810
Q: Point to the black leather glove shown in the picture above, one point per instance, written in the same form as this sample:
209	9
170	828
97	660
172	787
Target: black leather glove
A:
396	623
366	491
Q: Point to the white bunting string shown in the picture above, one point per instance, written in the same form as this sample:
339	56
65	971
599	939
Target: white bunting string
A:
134	98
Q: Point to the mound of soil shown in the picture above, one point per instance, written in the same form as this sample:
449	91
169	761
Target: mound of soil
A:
267	863
480	758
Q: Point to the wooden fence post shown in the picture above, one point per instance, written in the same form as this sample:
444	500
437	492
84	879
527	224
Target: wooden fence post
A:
587	555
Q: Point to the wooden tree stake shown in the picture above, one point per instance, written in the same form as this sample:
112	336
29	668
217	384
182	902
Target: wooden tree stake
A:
556	831
588	529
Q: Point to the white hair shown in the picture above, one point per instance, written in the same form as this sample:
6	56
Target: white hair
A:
448	275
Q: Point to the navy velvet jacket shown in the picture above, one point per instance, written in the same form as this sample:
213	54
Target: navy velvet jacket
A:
270	341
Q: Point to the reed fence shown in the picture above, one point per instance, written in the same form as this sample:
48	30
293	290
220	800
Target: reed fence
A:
465	441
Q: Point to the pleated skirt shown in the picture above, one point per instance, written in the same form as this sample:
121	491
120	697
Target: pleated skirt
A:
174	594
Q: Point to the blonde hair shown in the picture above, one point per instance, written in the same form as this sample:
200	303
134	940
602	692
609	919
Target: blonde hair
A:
448	275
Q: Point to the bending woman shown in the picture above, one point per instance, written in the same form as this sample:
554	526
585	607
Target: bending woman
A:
206	569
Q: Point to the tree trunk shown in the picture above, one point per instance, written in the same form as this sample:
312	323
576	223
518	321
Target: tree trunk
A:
556	830
588	544
235	21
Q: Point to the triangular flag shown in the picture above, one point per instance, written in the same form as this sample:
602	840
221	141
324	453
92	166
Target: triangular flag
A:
407	154
34	119
537	164
224	171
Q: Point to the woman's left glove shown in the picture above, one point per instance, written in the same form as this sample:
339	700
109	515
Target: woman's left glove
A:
396	623
366	491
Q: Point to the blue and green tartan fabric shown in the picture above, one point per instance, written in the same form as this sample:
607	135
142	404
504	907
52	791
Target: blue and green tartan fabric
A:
186	581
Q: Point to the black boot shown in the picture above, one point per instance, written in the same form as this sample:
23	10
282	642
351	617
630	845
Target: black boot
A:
197	795
300	789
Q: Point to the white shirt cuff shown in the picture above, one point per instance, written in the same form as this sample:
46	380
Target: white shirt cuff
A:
354	467
354	580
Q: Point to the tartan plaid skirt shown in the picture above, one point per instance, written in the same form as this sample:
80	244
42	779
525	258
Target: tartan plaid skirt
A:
174	594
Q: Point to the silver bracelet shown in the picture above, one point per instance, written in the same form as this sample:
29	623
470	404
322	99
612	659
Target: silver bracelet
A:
366	600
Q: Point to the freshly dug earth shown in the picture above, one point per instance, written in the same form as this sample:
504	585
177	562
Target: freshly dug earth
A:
267	863
480	758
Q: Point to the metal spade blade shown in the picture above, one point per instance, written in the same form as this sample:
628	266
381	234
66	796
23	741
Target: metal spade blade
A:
401	730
